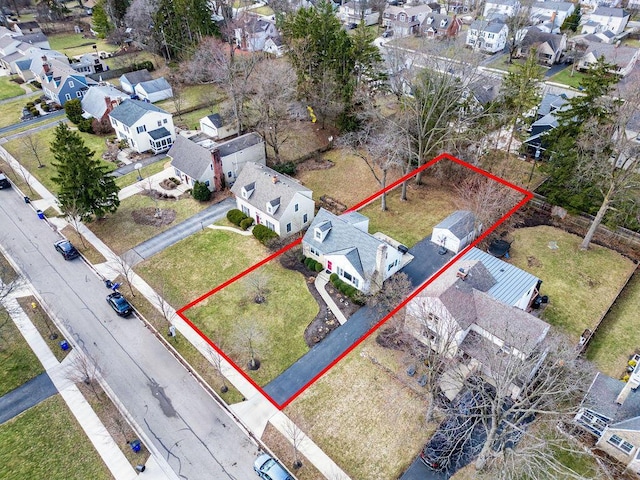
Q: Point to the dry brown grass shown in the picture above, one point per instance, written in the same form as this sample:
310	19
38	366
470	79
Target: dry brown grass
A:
362	406
281	446
303	138
46	328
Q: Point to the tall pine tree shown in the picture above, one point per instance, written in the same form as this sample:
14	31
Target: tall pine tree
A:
83	184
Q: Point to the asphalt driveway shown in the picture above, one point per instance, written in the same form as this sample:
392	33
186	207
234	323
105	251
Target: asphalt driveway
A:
26	396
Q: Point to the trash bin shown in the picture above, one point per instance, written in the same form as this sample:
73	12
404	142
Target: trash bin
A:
140	468
64	345
135	445
108	283
27	199
40	214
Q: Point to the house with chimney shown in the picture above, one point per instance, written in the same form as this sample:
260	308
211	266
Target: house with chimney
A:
549	16
549	47
610	412
606	19
61	83
437	25
476	313
143	126
273	199
252	31
344	246
100	100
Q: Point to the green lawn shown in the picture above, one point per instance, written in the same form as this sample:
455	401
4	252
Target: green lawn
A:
9	88
12	111
131	178
121	232
191	120
199	263
564	77
580	285
24	154
191	96
279	322
617	338
72	44
46	441
19	363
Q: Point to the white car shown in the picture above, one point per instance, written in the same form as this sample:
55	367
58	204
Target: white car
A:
268	468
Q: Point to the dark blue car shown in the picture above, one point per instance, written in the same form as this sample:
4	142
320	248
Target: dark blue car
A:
119	304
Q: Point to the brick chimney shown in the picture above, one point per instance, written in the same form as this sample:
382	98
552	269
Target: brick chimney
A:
218	173
45	64
553	19
274	179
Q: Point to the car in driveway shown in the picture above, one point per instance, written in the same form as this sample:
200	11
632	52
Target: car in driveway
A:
4	181
268	468
66	249
119	304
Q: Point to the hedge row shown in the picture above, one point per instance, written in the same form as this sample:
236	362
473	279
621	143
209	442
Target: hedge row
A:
246	223
236	216
313	265
263	234
349	290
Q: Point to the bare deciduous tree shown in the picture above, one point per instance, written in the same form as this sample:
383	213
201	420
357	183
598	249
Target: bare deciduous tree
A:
390	293
217	361
32	143
122	265
258	283
296	436
249	337
84	369
73	214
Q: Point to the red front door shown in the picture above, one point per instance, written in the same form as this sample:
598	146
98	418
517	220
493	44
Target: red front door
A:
257	219
329	266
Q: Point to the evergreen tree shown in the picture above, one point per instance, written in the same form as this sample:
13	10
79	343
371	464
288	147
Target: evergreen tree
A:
83	183
572	22
101	23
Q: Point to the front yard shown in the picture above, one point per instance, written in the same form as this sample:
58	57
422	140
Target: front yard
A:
9	88
365	413
580	285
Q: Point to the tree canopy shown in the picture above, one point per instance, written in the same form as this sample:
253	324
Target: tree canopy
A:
84	186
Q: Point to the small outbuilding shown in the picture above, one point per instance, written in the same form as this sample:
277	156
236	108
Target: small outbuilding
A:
456	231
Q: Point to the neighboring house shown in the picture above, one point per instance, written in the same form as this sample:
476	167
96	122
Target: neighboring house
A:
475	311
623	57
605	19
143	125
128	81
456	231
154	90
633	4
549	46
25	28
508	8
487	36
8	45
344	246
484	89
274	46
100	100
252	31
89	63
546	119
193	162
610	411
214	127
39	40
60	83
272	199
356	11
404	20
549	16
237	152
437	25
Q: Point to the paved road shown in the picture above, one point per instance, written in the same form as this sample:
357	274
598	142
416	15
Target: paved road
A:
425	263
181	231
26	396
189	429
26	123
119	172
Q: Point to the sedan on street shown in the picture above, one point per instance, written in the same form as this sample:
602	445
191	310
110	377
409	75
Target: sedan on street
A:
268	468
119	304
66	249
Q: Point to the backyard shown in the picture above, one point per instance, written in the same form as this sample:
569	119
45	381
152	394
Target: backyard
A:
9	88
566	77
73	44
580	284
387	429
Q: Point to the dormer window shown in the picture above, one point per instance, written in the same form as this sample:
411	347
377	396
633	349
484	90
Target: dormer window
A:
321	231
273	205
443	22
247	190
429	20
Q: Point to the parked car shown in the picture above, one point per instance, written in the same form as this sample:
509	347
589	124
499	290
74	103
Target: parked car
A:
119	304
387	33
4	182
66	249
269	469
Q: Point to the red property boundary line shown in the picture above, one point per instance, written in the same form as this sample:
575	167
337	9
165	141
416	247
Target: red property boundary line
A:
527	195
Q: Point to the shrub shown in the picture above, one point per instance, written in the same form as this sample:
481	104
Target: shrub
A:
73	109
263	234
333	277
37	100
235	216
288	168
318	267
45	107
148	64
30	104
122	144
36	84
86	125
201	192
175	180
246	223
34	111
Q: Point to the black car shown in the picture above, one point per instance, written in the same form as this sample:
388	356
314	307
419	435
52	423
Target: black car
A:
66	249
119	304
4	182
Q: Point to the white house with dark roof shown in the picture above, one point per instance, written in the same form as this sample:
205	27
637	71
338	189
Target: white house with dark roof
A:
274	200
456	231
214	126
128	81
343	245
252	31
438	25
195	163
237	152
508	8
549	47
143	125
404	20
605	19
470	313
487	36
154	90
610	411
549	16
623	57
89	63
274	46
356	11
100	100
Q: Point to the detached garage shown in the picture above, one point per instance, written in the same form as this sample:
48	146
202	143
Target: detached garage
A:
456	231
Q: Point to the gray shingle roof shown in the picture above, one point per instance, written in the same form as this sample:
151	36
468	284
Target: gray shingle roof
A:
239	143
156	85
215	119
130	111
159	133
265	190
359	247
601	398
136	77
460	223
189	157
610	12
32	38
93	101
535	36
551	102
620	55
511	282
7	40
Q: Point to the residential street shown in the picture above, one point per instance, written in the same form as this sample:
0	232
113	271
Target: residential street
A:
177	418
